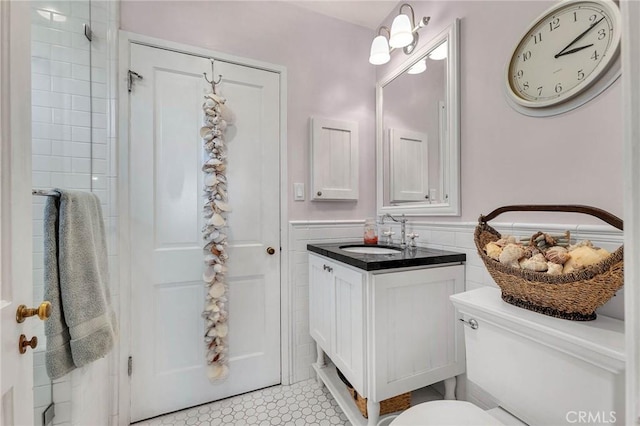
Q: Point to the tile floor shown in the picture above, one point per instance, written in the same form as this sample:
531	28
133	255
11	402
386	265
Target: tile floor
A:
303	403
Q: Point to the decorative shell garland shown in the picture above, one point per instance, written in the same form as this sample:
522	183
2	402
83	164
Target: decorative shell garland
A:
215	239
552	254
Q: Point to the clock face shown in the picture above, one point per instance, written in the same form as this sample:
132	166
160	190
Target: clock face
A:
564	52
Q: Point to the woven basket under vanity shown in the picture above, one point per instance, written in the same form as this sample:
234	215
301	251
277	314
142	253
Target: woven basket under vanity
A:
397	403
574	296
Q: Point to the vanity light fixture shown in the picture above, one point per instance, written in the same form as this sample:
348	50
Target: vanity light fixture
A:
418	67
403	34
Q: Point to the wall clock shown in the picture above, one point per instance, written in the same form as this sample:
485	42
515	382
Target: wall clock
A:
566	57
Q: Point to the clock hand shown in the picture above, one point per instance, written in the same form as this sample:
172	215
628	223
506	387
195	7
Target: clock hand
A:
577	49
580	36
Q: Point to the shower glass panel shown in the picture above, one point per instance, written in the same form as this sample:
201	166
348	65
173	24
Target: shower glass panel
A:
61	146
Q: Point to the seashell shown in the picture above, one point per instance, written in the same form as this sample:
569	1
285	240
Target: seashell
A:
221	167
584	256
208	103
222	330
218	268
537	263
506	239
214	234
210	180
510	255
493	250
554	268
220	238
217	98
217	220
583	243
558	255
209	274
204	131
226	113
217	371
222	125
216	290
218	142
222	205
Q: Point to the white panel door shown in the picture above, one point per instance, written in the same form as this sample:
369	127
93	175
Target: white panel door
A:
409	165
320	307
16	287
416	335
169	367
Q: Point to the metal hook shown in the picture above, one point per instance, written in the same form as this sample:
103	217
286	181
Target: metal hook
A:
213	82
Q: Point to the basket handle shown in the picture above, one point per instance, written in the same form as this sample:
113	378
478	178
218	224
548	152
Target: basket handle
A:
569	208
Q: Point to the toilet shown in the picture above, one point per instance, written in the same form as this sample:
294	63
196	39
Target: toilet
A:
540	370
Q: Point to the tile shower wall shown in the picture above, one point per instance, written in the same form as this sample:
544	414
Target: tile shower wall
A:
73	147
445	236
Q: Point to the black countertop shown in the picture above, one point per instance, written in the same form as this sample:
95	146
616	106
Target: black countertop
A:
408	257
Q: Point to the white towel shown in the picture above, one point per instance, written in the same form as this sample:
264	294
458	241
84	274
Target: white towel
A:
82	326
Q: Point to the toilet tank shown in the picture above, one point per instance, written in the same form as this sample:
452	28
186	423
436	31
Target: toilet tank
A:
544	370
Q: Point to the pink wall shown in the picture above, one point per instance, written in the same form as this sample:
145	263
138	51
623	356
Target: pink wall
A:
327	66
509	158
506	157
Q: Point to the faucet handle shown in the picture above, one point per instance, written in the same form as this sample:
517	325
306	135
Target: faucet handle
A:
412	237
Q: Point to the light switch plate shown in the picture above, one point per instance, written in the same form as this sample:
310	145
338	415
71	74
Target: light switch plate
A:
298	191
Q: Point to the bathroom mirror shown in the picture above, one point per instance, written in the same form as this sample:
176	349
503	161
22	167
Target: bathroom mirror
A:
417	131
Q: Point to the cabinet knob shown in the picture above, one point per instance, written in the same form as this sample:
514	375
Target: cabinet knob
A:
327	268
471	323
23	344
271	250
319	193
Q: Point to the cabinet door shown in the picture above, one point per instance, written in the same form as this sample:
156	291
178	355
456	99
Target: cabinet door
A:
320	289
348	325
334	159
415	339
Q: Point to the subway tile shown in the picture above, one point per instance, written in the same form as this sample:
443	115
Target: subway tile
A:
40	50
80	9
81	150
80	134
58	6
62	390
40	377
41	179
81	165
100	152
79	41
80	118
81	103
99	90
60	69
41	114
50	35
99	121
41	395
61	116
81	57
99	75
41	82
40	65
63	413
61	148
61	53
100	105
81	72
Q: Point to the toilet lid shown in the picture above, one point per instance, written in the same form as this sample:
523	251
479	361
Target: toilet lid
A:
445	413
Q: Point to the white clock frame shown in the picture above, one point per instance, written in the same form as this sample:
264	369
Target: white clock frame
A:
598	82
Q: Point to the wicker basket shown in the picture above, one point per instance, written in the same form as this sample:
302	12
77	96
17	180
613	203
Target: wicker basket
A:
573	296
397	403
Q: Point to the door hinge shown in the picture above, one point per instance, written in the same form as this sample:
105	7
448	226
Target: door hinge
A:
132	75
130	366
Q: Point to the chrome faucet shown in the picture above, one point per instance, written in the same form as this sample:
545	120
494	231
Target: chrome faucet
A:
403	227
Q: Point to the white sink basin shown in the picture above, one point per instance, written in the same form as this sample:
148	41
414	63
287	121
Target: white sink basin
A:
369	250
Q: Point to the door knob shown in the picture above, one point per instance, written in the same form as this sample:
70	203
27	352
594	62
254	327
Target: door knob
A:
271	250
43	312
23	343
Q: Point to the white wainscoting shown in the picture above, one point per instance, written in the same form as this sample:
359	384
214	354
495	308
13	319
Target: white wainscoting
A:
446	236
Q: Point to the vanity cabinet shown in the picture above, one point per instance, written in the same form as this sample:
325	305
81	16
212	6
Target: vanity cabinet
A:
388	331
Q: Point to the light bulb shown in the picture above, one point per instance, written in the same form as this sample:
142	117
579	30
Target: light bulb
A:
439	52
401	32
418	67
379	51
